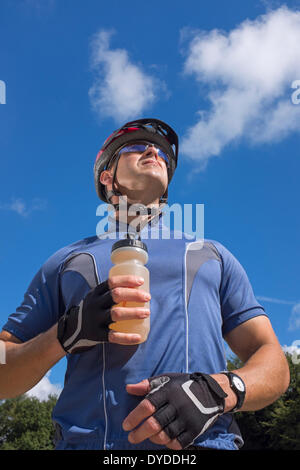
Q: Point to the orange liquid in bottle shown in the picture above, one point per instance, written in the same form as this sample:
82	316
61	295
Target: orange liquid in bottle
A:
131	260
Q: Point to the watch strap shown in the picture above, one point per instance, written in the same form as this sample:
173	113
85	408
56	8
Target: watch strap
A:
239	393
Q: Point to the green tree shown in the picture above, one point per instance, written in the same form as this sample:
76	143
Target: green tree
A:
26	424
276	427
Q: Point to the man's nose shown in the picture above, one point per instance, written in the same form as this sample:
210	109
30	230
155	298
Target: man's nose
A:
151	150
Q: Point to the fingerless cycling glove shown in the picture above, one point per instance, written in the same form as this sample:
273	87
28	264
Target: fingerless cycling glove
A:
186	404
85	325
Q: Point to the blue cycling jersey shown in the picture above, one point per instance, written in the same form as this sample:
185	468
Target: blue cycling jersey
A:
199	293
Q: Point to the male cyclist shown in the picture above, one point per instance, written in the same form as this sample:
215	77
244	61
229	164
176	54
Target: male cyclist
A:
173	390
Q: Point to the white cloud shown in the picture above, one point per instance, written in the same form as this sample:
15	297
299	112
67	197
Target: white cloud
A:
291	349
121	89
248	73
23	208
294	322
275	301
44	388
294	351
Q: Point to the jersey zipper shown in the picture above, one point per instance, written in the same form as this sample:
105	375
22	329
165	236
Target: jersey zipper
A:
103	362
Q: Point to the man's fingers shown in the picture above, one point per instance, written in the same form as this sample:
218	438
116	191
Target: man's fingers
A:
128	294
141	412
127	280
126	288
149	428
123	338
128	313
161	438
174	445
139	389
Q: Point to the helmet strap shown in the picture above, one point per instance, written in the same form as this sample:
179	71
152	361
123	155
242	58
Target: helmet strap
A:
151	214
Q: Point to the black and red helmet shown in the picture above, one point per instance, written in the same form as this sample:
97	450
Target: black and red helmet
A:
149	130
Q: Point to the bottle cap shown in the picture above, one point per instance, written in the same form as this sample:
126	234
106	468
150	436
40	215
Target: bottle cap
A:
129	242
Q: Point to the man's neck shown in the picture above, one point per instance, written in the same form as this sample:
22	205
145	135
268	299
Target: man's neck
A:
135	213
143	216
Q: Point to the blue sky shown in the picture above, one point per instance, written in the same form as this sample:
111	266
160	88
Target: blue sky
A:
219	72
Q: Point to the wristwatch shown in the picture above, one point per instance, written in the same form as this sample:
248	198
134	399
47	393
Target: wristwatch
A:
239	388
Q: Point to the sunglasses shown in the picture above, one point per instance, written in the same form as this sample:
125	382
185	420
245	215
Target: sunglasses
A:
141	148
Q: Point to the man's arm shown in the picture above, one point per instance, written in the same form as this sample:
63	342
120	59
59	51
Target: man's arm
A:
27	363
265	373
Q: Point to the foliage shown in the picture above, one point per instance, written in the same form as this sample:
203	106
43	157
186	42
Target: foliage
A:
276	427
25	424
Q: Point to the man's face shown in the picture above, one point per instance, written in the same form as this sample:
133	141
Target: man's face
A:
142	171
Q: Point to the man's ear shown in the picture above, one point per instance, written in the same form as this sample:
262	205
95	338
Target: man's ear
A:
106	177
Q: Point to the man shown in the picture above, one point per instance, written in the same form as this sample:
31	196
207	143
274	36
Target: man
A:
172	390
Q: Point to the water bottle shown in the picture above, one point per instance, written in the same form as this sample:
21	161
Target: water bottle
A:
129	256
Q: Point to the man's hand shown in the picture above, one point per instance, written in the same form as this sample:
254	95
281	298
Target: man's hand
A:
126	288
177	409
85	325
150	429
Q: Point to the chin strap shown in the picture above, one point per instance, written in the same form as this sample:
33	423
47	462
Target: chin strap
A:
141	220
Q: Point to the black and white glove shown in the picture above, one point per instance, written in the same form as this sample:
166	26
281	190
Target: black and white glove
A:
85	325
186	404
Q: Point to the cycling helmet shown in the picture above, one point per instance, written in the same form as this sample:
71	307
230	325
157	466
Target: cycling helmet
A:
141	130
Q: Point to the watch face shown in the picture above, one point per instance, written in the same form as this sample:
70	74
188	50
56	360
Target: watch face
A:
238	383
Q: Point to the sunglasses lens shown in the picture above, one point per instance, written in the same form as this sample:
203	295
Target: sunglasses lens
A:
141	148
163	156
